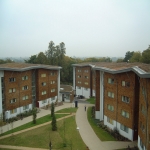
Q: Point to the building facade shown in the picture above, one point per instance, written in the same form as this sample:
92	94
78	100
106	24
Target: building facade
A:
84	80
24	86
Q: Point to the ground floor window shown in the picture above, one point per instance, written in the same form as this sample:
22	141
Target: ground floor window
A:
141	144
53	98
110	120
44	101
124	128
13	111
25	107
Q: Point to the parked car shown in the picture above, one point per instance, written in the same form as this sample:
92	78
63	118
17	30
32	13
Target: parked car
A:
80	96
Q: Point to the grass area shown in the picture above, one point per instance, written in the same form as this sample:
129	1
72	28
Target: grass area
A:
30	124
67	110
102	134
91	100
41	137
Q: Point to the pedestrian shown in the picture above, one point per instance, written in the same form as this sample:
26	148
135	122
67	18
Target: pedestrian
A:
85	107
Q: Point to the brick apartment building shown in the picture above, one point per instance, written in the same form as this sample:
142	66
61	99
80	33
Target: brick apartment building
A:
84	79
24	86
122	97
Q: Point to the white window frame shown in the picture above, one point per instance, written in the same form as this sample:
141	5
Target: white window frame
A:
79	82
125	114
12	90
25	87
44	101
109	120
12	79
111	94
124	128
26	107
111	81
78	87
43	83
125	99
25	97
79	70
43	92
43	75
125	83
79	76
110	107
86	77
86	83
14	100
25	78
53	98
13	111
52	73
53	90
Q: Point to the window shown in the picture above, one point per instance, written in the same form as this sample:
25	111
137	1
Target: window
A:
43	92
143	109
86	77
79	76
25	107
13	100
45	101
25	87
125	114
125	99
124	128
25	97
142	126
141	144
125	83
110	107
85	70
13	111
78	87
86	89
12	90
79	70
52	90
43	83
109	120
79	82
110	80
86	83
12	79
52	73
53	82
25	78
43	75
111	94
53	98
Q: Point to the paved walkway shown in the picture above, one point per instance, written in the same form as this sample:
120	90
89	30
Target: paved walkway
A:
85	130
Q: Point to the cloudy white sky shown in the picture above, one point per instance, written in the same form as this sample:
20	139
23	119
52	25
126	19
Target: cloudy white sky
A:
87	27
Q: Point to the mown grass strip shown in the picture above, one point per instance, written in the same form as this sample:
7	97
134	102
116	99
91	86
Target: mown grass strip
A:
102	134
30	124
91	100
67	110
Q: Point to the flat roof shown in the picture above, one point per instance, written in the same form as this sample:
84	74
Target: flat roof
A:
141	69
26	66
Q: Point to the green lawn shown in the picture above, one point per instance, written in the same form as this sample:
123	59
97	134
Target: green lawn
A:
67	110
30	124
41	137
91	100
102	134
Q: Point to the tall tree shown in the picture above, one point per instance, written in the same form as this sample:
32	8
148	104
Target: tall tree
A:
128	55
52	109
41	58
32	59
50	53
136	57
146	56
54	123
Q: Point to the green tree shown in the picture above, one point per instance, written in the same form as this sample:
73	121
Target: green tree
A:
52	109
32	59
128	55
41	58
54	123
146	56
136	57
34	113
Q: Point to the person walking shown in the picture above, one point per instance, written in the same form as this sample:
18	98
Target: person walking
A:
85	107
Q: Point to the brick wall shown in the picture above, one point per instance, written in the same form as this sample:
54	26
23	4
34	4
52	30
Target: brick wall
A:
18	84
143	117
97	87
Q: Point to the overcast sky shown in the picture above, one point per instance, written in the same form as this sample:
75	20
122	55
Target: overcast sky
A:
87	27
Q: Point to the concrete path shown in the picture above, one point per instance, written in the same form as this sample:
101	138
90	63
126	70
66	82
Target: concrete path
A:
85	130
89	136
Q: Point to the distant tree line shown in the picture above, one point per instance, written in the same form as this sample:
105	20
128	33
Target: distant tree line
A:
137	56
56	55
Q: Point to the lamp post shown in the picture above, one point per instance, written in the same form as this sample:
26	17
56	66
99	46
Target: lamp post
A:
77	137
